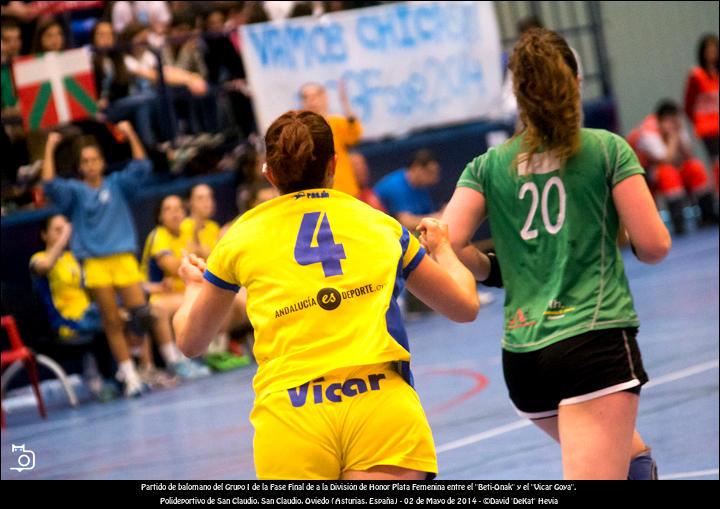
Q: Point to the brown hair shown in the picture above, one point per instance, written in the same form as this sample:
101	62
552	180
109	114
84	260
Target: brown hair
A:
43	26
299	147
87	141
545	83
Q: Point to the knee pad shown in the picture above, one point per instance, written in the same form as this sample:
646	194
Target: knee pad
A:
668	180
694	175
141	320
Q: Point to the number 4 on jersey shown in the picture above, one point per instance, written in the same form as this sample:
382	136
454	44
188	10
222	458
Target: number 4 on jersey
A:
326	252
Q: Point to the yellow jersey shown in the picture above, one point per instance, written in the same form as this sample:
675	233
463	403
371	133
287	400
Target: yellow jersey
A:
160	241
208	235
345	134
65	282
322	272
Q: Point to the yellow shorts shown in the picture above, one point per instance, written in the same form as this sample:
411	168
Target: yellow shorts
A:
115	270
350	419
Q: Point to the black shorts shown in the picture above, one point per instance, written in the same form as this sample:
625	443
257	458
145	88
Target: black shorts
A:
574	370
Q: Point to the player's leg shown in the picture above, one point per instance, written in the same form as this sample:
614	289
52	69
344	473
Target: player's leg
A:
112	322
596	436
163	308
141	320
114	327
696	182
642	464
669	184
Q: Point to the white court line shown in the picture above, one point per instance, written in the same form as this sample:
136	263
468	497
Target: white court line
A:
484	435
685	475
522	423
692	370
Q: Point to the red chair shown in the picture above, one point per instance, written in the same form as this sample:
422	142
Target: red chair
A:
19	352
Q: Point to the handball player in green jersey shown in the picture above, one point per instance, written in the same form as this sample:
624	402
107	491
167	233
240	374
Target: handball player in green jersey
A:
555	195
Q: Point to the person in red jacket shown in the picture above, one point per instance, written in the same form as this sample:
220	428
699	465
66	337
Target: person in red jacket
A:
701	98
664	148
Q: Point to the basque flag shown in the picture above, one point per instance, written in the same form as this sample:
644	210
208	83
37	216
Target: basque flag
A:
55	87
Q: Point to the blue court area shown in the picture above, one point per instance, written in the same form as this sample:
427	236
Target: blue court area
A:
201	430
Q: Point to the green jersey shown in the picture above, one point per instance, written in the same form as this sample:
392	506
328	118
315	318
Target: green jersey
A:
555	234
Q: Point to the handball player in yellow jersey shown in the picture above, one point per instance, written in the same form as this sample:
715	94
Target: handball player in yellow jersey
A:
334	395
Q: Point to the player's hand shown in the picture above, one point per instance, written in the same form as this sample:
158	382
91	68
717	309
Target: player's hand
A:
192	269
433	234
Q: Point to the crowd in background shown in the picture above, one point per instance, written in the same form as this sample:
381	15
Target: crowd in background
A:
204	108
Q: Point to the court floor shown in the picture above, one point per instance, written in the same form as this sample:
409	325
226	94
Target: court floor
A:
201	430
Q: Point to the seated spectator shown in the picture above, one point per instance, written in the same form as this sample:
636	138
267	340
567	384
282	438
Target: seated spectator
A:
112	82
199	229
74	313
49	36
701	99
182	50
346	130
11	40
161	259
225	68
362	175
202	233
664	148
142	65
404	192
57	280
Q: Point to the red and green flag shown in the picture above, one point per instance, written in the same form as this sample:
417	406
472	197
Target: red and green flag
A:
55	87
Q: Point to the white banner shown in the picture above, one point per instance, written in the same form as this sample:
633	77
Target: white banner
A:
406	65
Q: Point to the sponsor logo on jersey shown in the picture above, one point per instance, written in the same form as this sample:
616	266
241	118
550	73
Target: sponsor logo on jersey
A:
328	299
519	320
312	195
334	392
556	310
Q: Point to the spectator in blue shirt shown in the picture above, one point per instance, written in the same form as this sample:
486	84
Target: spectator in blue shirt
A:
104	240
404	192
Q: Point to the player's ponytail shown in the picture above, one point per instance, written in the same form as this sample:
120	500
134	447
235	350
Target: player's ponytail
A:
299	147
548	94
